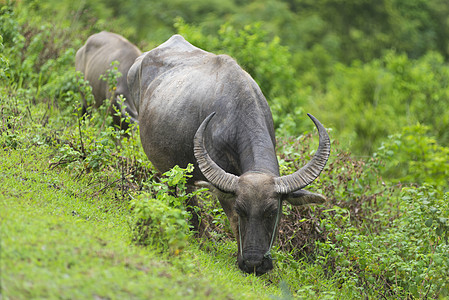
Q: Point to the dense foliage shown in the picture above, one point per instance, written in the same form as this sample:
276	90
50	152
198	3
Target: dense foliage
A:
375	73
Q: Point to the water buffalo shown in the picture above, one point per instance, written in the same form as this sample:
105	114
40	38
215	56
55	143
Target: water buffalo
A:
94	58
198	107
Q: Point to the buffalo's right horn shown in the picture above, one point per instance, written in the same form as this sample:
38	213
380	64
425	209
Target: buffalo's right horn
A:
214	174
307	174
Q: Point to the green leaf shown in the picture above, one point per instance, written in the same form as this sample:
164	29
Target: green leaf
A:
433	210
440	230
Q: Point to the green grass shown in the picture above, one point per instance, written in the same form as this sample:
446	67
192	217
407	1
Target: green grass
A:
58	243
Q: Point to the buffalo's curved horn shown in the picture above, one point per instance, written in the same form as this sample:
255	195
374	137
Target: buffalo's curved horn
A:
307	174
217	176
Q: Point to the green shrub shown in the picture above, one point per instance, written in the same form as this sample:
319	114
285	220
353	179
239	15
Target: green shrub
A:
414	156
159	224
97	143
4	63
160	216
409	259
12	43
91	146
20	119
366	103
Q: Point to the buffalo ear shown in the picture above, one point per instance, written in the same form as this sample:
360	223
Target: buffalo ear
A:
302	197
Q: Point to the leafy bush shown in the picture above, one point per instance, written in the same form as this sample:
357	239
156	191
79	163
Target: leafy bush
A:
12	41
4	63
20	119
159	225
367	103
160	216
414	156
97	143
39	54
93	145
408	259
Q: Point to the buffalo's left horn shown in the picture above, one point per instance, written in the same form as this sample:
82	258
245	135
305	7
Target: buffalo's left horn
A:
217	176
307	174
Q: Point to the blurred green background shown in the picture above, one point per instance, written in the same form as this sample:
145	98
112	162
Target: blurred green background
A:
366	69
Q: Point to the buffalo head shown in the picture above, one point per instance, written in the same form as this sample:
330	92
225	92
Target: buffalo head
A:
253	200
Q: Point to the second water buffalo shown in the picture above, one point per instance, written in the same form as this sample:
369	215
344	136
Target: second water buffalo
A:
94	59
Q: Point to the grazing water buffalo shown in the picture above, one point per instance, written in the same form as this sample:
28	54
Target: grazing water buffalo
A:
198	107
95	58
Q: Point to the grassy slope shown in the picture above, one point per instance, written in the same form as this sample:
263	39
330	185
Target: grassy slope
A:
59	243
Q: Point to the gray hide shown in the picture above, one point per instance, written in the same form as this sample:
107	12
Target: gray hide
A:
179	87
94	58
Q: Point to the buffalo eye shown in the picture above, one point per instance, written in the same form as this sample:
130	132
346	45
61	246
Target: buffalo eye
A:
271	213
240	211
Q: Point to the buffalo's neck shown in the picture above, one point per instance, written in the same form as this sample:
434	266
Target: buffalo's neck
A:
245	151
244	130
258	154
